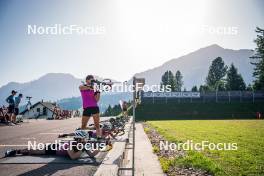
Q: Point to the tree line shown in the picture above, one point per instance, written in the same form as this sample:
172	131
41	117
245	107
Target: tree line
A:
114	110
223	77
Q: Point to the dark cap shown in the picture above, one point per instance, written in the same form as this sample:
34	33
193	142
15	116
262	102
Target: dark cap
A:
89	77
20	95
13	91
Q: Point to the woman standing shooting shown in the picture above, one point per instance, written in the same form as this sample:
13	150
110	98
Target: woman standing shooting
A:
90	97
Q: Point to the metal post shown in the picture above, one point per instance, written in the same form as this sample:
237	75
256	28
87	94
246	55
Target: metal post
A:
253	96
229	96
134	109
216	100
168	76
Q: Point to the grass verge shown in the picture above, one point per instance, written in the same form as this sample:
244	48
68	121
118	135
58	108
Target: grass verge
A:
248	159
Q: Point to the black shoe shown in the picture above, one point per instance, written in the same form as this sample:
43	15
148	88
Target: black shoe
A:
9	153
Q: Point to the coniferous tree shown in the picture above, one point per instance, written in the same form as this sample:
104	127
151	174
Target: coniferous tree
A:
168	79
217	72
204	88
178	81
194	89
234	80
258	60
249	87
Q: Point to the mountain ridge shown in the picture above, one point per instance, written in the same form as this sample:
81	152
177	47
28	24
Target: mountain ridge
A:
199	62
49	87
194	67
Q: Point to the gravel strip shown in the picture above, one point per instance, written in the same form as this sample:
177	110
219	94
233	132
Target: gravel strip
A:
155	139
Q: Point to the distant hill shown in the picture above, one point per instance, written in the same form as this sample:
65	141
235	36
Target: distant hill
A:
106	100
194	66
50	87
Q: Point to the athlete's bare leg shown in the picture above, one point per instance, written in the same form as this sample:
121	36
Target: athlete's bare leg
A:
96	118
85	120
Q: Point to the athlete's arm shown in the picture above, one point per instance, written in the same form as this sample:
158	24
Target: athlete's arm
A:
74	155
83	87
8	99
92	154
65	135
97	96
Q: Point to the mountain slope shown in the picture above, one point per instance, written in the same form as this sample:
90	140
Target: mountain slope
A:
50	87
105	100
59	87
194	66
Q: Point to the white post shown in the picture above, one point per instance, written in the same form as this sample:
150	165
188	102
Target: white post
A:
134	116
216	99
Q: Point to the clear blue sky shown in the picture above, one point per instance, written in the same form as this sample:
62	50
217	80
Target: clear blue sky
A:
139	34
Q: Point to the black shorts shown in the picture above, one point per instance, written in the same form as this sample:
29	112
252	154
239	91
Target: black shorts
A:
50	150
90	111
16	111
11	109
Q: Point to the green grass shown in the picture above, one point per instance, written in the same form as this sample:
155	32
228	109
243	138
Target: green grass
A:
248	159
146	129
155	149
165	164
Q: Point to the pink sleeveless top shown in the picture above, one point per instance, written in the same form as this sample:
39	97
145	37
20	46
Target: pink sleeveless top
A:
88	98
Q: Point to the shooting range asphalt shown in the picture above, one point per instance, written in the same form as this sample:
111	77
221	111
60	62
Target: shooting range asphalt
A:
44	131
